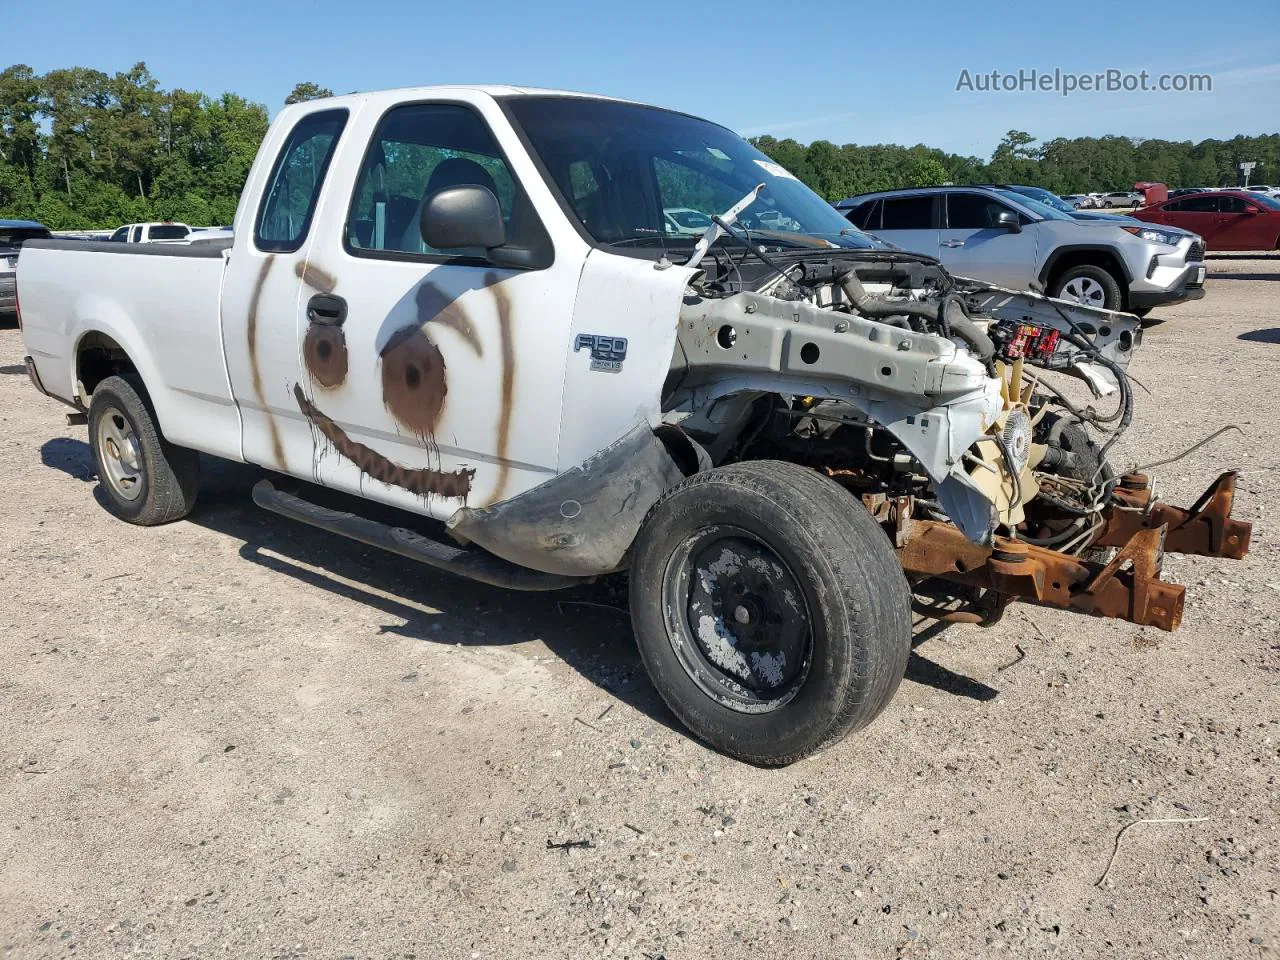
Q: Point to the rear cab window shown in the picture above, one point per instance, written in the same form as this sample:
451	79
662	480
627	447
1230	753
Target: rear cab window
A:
168	231
284	215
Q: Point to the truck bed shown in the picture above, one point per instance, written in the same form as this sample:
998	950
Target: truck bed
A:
165	296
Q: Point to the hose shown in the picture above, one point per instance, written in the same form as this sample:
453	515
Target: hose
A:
948	313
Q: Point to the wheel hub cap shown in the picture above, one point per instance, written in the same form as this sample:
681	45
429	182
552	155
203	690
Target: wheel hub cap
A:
120	454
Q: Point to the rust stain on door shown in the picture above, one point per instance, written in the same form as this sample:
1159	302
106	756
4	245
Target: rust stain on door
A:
255	370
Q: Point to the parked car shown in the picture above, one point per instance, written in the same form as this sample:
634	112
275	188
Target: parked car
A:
13	234
618	398
1227	219
1186	191
1120	198
164	232
1080	201
1004	237
1058	203
685	220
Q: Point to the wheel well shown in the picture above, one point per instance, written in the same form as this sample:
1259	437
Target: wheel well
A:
99	357
1092	258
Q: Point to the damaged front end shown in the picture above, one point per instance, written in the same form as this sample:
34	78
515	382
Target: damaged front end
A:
946	405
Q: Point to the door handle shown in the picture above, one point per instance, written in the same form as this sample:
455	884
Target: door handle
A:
327	309
953	243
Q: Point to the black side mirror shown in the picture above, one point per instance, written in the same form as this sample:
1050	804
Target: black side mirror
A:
1008	220
462	216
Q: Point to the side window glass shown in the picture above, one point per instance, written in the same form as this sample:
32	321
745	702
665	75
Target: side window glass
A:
972	211
908	213
136	236
418	150
120	236
1200	205
284	216
1233	205
860	216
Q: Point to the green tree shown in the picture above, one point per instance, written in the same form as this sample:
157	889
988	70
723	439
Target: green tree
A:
307	91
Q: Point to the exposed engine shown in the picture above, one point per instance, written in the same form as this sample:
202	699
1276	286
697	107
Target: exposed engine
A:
929	397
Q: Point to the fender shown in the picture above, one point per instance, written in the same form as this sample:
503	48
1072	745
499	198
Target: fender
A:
1056	255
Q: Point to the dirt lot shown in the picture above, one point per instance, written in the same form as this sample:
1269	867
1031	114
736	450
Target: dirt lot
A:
239	737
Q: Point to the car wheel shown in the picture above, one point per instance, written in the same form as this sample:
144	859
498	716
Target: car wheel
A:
1106	205
1088	284
769	610
144	479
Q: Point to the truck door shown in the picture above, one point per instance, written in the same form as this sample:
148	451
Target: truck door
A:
262	285
432	378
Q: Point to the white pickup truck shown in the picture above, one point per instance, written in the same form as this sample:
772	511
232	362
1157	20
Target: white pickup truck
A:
464	302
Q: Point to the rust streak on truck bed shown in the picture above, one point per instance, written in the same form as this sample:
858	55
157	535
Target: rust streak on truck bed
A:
423	482
255	302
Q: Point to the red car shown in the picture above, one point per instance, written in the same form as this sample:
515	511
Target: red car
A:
1226	219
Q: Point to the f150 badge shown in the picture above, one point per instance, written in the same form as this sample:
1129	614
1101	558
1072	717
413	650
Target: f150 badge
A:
607	353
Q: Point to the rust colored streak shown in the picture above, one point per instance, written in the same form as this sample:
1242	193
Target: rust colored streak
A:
324	351
503	303
314	277
434	306
413	381
422	482
255	371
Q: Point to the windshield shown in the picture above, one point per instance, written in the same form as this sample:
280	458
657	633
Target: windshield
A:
1035	206
1265	200
1047	198
624	170
13	237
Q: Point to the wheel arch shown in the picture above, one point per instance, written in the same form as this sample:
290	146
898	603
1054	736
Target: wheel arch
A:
1064	258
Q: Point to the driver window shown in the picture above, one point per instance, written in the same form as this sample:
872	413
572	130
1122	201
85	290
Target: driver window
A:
418	150
972	211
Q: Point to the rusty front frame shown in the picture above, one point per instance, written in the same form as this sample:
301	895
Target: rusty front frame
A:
1126	588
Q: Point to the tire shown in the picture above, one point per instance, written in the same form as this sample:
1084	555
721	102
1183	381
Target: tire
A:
1106	205
826	612
144	479
1089	277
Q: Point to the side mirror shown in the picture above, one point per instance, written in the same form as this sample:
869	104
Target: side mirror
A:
1008	220
462	216
1252	209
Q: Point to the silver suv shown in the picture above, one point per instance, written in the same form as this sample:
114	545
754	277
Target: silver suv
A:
1012	240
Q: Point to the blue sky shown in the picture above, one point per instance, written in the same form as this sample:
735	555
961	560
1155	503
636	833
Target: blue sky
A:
862	73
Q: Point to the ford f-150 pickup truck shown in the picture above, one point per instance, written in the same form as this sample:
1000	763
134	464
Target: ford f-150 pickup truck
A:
465	303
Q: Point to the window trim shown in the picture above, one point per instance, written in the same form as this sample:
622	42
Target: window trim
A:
293	246
404	256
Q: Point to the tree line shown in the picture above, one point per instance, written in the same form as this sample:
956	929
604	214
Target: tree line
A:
82	149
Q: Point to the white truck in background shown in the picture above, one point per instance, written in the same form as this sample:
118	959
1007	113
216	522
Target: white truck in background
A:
463	302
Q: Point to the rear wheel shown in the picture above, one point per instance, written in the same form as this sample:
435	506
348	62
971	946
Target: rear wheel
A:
769	609
1088	284
144	479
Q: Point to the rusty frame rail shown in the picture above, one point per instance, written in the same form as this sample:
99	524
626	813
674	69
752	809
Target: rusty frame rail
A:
1205	530
1127	588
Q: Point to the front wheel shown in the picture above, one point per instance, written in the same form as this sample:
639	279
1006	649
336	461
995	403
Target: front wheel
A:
1091	285
144	479
769	609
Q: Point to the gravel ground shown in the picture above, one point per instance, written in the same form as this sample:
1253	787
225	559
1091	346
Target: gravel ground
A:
238	736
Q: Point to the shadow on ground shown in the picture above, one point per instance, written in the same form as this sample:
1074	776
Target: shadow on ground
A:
1266	335
587	627
13	368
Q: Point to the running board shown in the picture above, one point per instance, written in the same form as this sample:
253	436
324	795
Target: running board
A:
474	564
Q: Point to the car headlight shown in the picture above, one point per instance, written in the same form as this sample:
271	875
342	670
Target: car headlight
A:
1156	236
